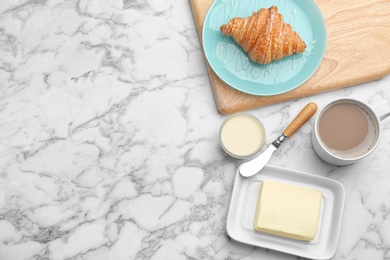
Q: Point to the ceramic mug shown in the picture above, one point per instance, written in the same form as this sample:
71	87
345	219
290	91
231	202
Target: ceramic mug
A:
340	136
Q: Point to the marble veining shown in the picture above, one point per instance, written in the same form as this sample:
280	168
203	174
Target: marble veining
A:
109	140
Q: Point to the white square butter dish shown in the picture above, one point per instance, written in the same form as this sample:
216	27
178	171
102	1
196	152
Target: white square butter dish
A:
242	209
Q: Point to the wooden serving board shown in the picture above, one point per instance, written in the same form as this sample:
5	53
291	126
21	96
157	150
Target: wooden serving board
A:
358	51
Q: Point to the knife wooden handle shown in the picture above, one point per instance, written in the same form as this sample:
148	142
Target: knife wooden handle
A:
307	112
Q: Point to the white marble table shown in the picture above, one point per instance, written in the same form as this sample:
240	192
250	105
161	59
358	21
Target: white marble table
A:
108	140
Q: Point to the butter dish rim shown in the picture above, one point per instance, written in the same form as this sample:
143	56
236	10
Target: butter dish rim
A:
325	245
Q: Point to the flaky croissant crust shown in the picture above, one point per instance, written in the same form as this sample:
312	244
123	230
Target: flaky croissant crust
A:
264	36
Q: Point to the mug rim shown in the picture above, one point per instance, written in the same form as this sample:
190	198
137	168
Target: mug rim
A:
359	103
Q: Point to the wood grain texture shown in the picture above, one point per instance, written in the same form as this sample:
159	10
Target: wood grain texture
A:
358	51
307	112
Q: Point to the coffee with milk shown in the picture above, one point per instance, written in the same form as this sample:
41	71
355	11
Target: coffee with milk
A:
347	130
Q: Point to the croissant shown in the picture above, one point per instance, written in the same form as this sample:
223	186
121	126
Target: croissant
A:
264	36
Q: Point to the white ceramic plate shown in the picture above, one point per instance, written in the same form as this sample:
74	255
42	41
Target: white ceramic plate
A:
242	207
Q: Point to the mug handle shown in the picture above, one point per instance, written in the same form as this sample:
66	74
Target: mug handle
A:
382	117
382	111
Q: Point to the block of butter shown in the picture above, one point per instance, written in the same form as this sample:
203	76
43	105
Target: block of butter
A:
287	210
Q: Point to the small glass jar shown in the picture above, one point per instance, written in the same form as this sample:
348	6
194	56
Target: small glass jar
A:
242	135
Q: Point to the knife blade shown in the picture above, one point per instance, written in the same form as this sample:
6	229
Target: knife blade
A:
255	165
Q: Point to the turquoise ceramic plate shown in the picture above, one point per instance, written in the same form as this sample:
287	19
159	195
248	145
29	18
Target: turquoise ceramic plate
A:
232	64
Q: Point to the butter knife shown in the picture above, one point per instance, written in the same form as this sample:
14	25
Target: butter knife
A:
255	165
